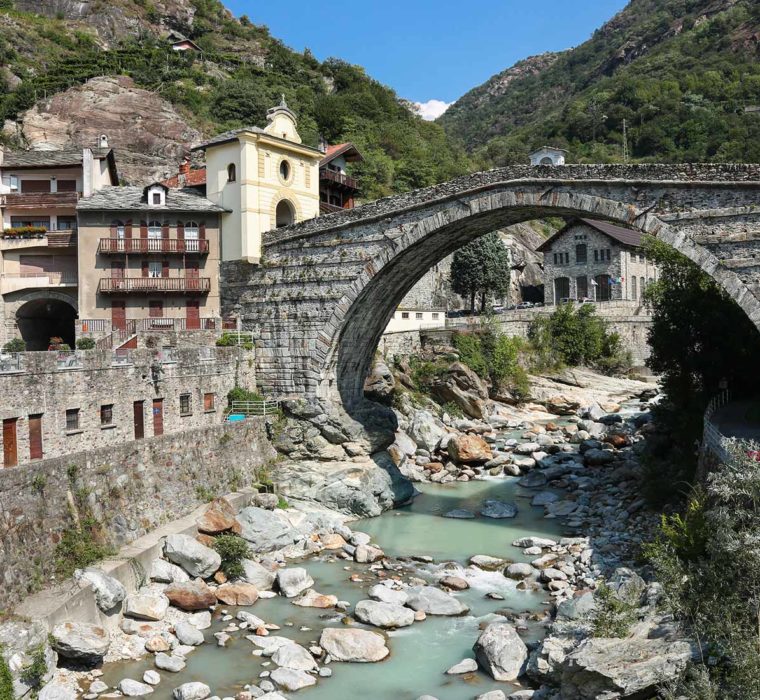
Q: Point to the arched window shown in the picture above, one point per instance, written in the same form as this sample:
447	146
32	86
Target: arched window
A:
154	229
284	214
642	287
284	170
546	161
231	173
118	228
633	289
191	236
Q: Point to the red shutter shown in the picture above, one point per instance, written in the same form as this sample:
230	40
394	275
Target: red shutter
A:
202	230
165	230
180	230
117	270
128	229
144	268
113	230
143	229
164	268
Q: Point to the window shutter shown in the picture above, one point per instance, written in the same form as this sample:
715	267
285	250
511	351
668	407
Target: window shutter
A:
165	230
144	268
180	230
128	228
164	268
202	230
143	229
113	230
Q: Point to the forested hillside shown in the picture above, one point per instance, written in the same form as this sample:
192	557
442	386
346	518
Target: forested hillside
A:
243	71
683	75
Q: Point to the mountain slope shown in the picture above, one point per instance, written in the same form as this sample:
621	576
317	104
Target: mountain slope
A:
243	71
683	74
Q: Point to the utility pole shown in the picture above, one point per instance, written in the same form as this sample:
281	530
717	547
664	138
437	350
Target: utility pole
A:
625	142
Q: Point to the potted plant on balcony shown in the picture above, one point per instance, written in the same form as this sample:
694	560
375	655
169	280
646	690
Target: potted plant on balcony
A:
25	232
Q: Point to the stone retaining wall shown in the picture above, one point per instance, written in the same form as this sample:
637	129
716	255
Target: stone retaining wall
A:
129	489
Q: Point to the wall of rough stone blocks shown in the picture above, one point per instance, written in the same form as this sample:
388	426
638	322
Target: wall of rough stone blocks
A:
129	489
51	383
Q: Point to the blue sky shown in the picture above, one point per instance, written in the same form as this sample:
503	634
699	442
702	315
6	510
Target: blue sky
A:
430	49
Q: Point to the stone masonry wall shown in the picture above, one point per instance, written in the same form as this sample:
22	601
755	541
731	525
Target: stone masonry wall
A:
129	489
51	383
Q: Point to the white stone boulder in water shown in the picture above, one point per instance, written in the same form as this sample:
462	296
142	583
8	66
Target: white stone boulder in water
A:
80	641
434	601
354	645
191	555
426	430
293	581
525	542
266	530
108	591
258	575
290	679
56	690
191	691
500	652
384	615
464	666
295	657
173	664
188	634
519	570
134	689
498	509
386	594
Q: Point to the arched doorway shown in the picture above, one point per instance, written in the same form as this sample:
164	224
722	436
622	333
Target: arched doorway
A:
39	320
285	214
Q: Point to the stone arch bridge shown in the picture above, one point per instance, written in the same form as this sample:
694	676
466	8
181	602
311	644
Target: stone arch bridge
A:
327	287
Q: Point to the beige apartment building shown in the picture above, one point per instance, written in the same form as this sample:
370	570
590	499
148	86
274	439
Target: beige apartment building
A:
264	179
39	192
148	260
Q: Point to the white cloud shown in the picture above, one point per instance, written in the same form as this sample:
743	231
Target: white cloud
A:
432	109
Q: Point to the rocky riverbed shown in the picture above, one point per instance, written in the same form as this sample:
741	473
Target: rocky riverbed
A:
486	586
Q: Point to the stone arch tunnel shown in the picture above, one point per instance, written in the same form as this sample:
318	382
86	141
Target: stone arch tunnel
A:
327	287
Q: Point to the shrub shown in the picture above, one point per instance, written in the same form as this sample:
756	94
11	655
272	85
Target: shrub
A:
613	616
233	549
282	503
15	345
78	548
6	679
240	394
35	672
204	493
231	340
85	343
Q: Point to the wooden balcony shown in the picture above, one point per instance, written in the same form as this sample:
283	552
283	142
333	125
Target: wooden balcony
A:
150	285
41	200
127	246
339	179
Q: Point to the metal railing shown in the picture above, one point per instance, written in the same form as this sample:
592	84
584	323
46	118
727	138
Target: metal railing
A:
713	441
10	363
152	245
120	285
264	407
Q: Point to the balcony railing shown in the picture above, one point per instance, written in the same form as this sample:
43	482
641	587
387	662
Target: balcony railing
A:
111	246
36	200
141	285
338	178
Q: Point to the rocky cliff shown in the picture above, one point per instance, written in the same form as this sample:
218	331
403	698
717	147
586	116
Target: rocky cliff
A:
150	136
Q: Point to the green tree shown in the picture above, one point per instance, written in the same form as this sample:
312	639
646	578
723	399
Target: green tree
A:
699	338
481	268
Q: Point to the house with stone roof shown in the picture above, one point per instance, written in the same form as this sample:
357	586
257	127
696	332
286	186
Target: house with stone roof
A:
337	189
595	260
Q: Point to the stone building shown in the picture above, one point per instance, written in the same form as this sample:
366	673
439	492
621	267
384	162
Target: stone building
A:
39	192
148	260
59	403
264	179
548	155
597	261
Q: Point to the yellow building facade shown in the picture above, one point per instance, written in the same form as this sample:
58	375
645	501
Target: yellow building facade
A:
266	178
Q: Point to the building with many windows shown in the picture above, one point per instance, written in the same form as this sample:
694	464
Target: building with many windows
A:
39	194
148	260
597	261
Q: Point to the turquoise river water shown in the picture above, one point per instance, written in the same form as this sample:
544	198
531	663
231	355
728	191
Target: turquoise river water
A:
420	654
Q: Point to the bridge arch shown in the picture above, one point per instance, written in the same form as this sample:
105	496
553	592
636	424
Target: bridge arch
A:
331	285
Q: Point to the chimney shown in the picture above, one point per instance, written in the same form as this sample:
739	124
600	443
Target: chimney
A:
103	141
88	165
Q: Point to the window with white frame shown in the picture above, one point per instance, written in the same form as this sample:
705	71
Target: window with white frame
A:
191	235
154	268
